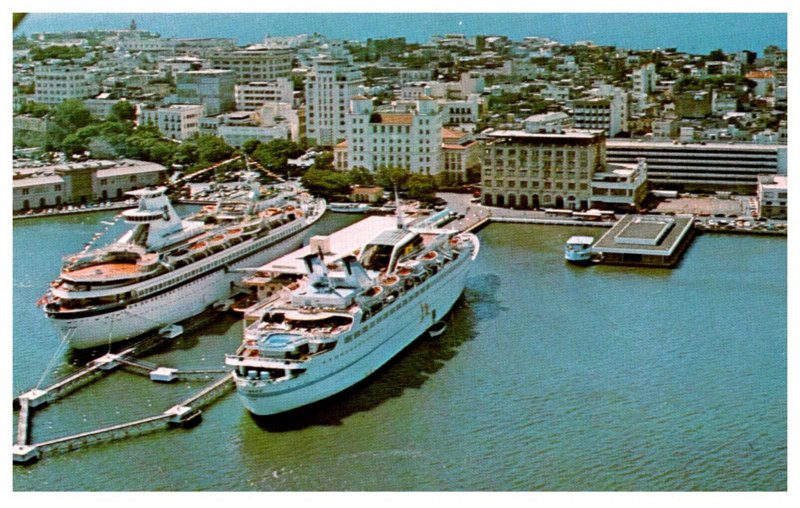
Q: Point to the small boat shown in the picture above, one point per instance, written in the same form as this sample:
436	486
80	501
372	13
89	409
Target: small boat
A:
437	329
348	207
171	331
578	249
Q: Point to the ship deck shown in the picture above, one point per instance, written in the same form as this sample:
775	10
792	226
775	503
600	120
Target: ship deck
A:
342	243
104	272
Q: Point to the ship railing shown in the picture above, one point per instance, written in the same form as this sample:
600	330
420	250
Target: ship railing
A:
262	361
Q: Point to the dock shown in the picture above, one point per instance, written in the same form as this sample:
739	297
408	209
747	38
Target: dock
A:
185	414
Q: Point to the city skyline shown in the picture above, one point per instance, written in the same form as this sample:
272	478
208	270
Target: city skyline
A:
627	30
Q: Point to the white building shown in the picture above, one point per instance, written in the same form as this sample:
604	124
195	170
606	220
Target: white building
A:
256	63
644	79
620	186
607	113
252	96
772	192
330	85
409	135
461	112
55	83
177	121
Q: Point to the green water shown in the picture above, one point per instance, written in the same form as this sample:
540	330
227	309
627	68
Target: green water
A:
549	377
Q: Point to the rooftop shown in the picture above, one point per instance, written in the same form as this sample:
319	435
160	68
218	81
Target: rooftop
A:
342	243
653	235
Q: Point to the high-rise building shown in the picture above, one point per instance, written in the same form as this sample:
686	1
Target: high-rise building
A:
252	96
212	87
256	63
407	135
330	85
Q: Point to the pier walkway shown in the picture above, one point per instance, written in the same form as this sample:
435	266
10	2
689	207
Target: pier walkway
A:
184	414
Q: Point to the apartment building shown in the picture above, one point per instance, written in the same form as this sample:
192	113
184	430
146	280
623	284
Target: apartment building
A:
550	167
55	83
176	121
331	83
406	135
461	155
252	96
608	114
254	64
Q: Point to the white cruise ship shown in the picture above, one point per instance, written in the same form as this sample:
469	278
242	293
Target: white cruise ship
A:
341	322
166	269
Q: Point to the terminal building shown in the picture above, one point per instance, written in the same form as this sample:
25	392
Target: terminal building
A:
82	183
703	168
646	240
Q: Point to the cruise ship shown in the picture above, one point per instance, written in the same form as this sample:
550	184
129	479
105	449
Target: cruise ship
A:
165	269
342	321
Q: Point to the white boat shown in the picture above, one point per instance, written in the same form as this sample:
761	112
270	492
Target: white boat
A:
340	323
578	249
165	269
348	207
437	329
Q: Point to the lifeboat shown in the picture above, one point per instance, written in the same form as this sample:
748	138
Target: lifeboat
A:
216	239
390	281
234	231
197	247
371	296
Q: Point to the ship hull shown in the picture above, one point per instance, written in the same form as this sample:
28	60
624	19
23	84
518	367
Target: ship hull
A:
363	355
177	304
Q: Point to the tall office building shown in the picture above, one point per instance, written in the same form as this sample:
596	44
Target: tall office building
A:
330	85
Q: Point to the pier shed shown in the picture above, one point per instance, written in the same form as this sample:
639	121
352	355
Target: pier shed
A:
646	240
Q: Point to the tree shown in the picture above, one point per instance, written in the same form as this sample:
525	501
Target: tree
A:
250	146
422	187
326	183
391	177
274	154
211	148
324	161
360	176
122	111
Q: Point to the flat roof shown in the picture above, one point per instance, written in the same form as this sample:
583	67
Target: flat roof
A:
342	243
652	235
709	146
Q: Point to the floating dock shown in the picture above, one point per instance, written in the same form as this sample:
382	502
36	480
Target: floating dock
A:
646	240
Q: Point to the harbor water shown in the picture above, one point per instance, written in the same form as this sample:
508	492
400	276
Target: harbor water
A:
549	377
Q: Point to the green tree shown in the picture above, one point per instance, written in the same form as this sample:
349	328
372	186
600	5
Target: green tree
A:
122	111
326	183
211	148
390	177
274	154
68	117
250	146
422	187
361	176
323	160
